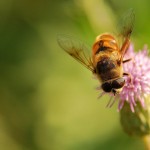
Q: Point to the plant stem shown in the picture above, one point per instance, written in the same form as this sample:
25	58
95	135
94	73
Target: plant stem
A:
146	140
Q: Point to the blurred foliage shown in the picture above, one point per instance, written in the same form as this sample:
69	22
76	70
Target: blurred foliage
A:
47	100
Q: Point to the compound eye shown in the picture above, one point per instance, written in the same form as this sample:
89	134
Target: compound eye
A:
107	87
119	83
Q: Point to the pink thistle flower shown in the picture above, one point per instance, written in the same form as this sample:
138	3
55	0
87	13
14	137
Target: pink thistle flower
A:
137	87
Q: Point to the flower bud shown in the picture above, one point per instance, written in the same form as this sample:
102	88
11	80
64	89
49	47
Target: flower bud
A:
137	123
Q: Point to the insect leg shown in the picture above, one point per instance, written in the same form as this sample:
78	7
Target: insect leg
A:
125	47
129	75
126	74
113	102
109	102
102	93
124	61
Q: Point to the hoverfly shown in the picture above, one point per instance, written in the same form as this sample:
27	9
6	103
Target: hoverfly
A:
107	56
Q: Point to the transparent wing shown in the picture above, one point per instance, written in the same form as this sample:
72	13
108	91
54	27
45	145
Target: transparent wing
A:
126	24
77	49
125	28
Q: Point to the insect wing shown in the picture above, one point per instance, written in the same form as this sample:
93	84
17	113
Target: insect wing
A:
77	49
125	28
126	24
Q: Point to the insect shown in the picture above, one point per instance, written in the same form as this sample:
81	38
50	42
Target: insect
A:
107	57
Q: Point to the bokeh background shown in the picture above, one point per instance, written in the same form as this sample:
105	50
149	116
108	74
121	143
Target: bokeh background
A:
47	100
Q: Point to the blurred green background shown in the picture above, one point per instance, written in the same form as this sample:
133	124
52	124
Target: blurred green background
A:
47	100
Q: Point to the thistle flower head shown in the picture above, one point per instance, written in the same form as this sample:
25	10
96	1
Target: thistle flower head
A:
137	86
